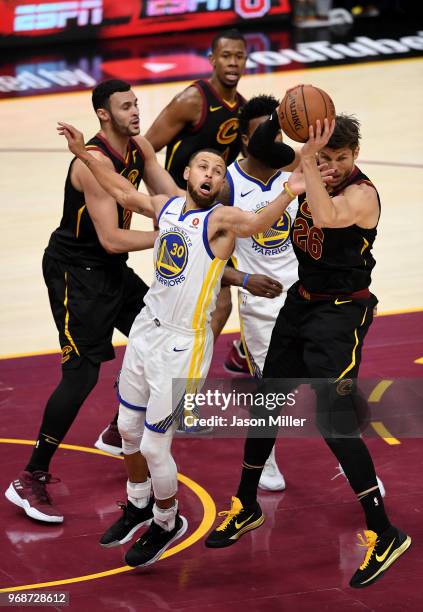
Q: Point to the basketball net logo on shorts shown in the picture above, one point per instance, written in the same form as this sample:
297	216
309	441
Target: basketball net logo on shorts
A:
66	350
172	257
275	240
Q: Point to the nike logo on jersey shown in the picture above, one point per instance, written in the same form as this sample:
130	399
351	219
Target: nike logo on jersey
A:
239	525
214	108
245	194
171	213
179	350
338	301
383	557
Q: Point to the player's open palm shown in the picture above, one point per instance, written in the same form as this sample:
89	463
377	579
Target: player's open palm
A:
74	137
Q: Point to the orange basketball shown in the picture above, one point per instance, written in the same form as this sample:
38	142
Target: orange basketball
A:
301	107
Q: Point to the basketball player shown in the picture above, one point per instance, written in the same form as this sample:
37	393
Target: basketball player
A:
91	288
171	339
252	184
205	114
319	333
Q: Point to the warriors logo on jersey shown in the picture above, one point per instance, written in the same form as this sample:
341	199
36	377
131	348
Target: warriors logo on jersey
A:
172	257
269	252
275	236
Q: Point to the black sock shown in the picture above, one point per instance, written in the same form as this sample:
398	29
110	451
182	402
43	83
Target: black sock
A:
61	411
256	453
374	509
356	461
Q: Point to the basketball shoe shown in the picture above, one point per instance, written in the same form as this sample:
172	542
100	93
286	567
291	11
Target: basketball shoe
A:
29	492
382	551
379	481
124	528
236	360
238	521
152	544
271	478
110	440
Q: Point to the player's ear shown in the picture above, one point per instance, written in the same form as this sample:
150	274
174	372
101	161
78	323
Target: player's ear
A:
356	152
186	173
103	114
212	60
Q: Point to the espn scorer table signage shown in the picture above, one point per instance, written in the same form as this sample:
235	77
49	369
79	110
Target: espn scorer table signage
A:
25	21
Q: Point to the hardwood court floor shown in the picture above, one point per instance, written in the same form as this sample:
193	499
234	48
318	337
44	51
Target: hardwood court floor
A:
33	160
304	555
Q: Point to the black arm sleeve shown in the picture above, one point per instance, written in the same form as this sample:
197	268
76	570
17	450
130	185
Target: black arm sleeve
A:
262	145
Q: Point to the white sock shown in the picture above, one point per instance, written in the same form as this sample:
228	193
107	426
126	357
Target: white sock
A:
165	517
139	492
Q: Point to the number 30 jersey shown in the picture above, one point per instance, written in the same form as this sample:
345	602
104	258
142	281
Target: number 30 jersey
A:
269	252
333	260
187	275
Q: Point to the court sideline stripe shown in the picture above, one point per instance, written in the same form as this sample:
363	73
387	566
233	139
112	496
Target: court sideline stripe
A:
388	313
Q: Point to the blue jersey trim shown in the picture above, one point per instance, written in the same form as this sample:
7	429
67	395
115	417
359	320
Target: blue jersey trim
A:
131	406
263	186
165	206
231	188
155	428
205	237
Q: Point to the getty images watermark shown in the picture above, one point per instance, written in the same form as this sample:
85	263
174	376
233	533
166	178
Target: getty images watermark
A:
214	398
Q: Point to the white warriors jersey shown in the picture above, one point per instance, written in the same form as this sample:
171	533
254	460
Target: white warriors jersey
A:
268	252
187	275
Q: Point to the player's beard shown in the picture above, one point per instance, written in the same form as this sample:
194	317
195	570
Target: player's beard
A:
124	130
199	199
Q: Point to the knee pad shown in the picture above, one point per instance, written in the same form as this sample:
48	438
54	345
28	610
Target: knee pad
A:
131	426
156	449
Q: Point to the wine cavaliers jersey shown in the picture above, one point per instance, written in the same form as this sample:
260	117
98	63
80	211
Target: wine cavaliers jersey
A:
333	260
75	240
216	129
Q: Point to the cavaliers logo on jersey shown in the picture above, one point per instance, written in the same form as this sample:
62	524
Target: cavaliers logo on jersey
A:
172	255
228	131
276	235
133	176
305	211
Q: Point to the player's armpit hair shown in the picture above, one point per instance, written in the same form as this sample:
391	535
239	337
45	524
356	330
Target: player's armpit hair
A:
262	145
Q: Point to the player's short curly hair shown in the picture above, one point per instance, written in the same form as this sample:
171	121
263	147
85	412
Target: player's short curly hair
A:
346	133
259	106
103	91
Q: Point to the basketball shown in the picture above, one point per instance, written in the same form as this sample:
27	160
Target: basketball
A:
301	107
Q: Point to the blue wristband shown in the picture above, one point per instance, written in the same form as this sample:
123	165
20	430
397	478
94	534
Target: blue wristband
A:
245	281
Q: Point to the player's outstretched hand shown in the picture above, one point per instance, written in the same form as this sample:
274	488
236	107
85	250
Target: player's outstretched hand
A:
263	286
317	138
74	137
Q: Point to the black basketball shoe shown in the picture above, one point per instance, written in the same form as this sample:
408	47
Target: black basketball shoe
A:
382	551
124	528
238	521
152	544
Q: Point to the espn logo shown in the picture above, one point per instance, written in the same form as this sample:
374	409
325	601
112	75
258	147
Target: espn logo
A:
49	16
